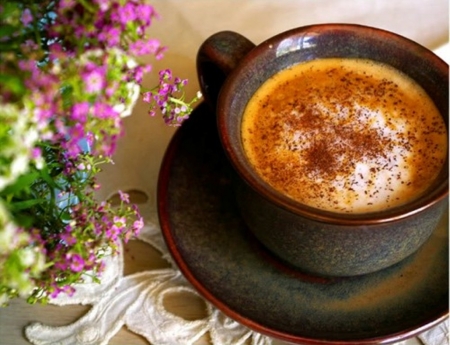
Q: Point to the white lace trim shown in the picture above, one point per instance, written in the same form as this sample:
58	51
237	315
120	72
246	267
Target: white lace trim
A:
136	301
438	335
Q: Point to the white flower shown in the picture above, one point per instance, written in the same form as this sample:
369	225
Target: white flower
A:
120	109
10	236
19	135
39	162
31	136
103	4
7	233
90	55
39	263
56	68
125	108
20	165
27	256
23	284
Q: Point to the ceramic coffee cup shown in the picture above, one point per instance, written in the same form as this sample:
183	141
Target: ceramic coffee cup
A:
317	241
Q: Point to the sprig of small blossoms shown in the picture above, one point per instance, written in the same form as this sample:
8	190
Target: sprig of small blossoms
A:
68	76
169	98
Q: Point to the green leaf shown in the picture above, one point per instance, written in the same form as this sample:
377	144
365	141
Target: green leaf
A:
23	205
7	30
24	220
13	83
47	178
9	8
65	216
23	182
9	46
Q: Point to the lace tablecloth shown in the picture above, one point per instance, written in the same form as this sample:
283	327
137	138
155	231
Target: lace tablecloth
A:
137	300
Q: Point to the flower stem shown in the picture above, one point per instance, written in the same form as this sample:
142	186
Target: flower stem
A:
87	6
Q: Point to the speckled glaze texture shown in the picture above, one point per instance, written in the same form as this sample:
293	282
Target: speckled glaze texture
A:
316	241
334	250
214	249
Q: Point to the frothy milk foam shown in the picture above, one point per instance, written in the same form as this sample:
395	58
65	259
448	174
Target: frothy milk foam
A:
345	135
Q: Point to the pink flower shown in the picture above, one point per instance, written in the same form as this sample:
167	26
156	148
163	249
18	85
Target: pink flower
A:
57	52
72	147
147	97
113	233
90	262
111	89
60	128
26	17
89	137
124	197
67	237
119	221
138	225
110	35
76	132
61	265
36	153
160	53
103	4
94	80
43	113
80	112
145	13
138	73
141	47
165	74
76	262
127	13
56	291
69	290
108	148
104	111
29	46
66	4
27	65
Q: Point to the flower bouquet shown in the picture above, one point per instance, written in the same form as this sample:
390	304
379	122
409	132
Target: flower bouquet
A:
68	76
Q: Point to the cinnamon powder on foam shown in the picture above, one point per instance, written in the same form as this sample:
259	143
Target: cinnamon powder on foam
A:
345	135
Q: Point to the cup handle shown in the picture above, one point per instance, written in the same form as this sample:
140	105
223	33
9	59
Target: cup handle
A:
216	58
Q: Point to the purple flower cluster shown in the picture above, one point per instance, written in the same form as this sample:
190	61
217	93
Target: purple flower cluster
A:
102	232
169	98
113	24
78	79
79	97
87	62
85	79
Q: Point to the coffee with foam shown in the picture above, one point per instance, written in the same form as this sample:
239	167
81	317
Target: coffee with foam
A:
345	135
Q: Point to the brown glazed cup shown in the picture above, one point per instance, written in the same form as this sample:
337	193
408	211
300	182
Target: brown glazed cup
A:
318	242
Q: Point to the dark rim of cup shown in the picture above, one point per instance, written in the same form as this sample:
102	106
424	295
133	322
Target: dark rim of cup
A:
322	41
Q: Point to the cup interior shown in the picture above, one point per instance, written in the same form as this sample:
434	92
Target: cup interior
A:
329	41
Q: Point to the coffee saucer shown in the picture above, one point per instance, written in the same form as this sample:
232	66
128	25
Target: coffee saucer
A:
215	251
